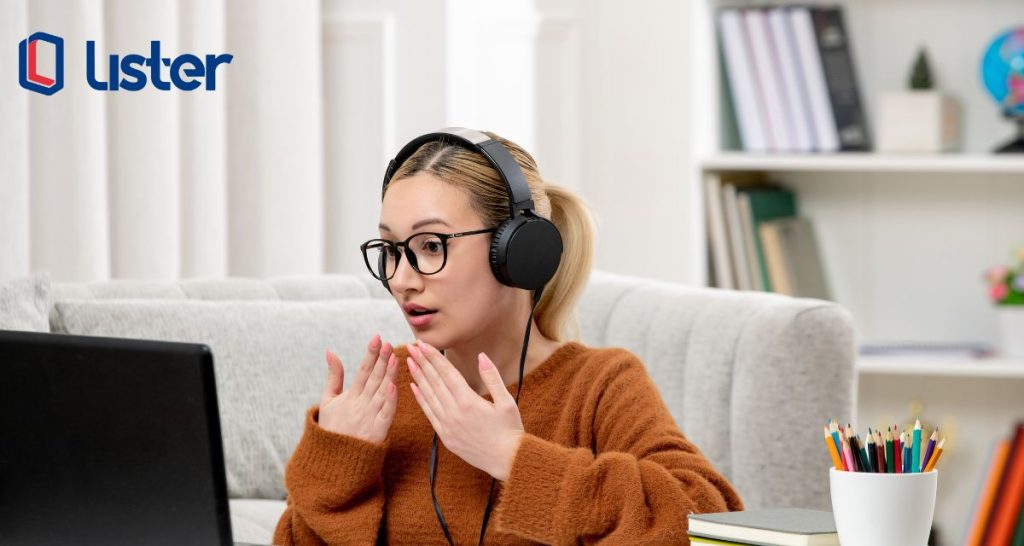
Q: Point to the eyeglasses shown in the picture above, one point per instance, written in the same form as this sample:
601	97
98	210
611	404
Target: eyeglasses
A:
427	252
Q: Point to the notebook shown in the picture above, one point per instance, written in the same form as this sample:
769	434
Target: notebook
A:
773	527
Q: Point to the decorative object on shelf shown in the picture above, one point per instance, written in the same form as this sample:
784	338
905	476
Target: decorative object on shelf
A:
920	119
1006	290
1002	71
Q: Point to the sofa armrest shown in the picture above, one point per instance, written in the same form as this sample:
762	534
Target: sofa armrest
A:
792	374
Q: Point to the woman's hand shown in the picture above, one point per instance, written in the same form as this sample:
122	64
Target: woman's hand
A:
365	410
484	434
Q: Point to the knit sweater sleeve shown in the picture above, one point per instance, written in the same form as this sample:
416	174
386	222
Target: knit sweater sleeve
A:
335	489
636	486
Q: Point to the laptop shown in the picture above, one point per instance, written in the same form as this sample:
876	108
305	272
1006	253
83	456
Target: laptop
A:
109	441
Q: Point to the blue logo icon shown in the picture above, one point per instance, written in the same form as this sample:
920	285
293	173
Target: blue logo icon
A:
28	67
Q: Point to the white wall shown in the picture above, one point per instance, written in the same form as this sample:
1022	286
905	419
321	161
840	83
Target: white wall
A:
279	170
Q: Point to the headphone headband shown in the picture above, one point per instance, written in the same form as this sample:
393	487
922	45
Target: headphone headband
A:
520	199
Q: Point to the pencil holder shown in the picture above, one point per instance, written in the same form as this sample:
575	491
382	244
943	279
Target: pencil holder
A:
874	509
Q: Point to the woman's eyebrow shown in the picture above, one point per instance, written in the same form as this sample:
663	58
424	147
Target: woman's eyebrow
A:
419	224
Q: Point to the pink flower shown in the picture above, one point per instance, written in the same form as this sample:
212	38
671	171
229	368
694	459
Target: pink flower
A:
998	292
997	274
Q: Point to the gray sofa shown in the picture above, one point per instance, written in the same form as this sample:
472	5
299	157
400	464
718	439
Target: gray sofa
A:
750	377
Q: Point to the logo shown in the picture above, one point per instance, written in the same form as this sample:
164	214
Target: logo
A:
28	63
125	72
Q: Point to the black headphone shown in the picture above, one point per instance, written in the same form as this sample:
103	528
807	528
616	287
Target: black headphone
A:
526	248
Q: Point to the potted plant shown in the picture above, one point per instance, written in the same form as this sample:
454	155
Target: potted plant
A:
1006	290
920	119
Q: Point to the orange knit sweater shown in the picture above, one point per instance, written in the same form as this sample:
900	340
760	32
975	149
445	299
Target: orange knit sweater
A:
602	461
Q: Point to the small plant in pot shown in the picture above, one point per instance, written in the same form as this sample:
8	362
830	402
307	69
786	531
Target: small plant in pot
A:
920	119
1006	290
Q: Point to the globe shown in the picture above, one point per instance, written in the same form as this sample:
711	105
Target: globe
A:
1002	71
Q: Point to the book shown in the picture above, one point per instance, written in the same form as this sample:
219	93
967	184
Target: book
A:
767	527
927	348
749	241
775	259
717	235
826	137
737	244
793	88
769	79
986	493
794	261
840	78
742	80
767	203
1010	494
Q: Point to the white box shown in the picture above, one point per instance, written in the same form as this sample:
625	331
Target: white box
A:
917	121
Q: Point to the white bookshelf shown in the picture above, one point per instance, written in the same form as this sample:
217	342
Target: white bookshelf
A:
991	368
904	238
865	162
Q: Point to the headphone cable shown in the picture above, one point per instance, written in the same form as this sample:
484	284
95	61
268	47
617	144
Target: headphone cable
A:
433	446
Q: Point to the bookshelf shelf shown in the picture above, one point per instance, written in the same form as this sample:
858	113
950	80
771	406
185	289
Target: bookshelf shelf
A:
863	163
994	368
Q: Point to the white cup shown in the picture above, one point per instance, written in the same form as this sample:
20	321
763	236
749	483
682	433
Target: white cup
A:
873	509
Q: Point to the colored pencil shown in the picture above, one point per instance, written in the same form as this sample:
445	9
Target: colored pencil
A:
833	429
880	447
832	451
872	455
907	456
897	448
935	456
850	464
890	458
915	465
931	446
858	463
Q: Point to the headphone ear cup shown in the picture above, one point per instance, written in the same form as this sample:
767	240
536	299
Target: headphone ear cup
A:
497	254
525	252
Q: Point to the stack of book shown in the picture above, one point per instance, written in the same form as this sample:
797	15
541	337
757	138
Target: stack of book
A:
759	242
998	515
791	79
776	527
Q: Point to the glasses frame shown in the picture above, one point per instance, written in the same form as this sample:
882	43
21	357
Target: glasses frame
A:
410	255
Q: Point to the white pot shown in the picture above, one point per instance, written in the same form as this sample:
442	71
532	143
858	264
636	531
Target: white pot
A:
917	121
1011	330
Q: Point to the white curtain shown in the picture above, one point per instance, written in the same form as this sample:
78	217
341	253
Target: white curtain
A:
152	184
278	171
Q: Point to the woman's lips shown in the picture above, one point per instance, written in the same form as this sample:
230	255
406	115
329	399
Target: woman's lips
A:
420	321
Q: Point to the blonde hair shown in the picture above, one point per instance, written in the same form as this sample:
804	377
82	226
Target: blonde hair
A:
472	173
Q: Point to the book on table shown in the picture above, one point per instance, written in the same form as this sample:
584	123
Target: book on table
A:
769	527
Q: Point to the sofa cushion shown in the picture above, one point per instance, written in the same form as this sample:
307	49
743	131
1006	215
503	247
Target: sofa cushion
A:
254	520
25	303
268	360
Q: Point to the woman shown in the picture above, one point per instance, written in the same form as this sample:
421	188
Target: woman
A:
589	454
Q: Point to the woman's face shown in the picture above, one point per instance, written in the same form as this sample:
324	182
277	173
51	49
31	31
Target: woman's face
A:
464	293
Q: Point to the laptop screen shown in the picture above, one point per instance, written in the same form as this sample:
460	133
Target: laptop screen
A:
109	441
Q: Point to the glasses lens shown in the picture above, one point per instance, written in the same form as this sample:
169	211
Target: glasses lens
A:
381	258
430	253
